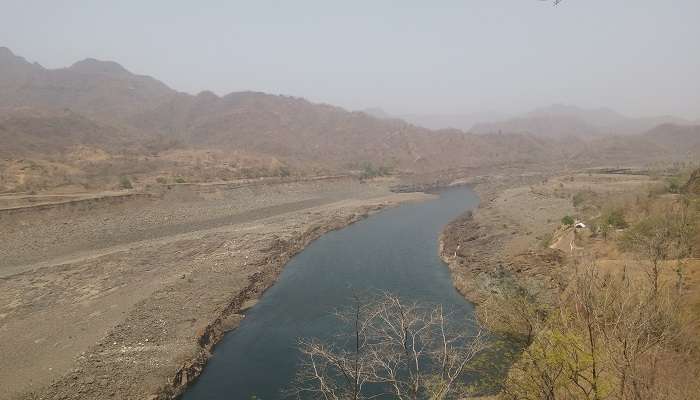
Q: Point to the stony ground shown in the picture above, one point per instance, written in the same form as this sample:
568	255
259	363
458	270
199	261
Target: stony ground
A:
35	235
125	301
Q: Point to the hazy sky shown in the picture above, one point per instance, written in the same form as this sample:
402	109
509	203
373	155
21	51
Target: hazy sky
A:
640	57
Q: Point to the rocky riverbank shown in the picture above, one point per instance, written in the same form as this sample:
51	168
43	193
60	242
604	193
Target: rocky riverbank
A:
516	232
138	318
503	238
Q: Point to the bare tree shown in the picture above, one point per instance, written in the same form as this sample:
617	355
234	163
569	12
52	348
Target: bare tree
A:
685	231
664	235
610	338
652	238
515	311
401	350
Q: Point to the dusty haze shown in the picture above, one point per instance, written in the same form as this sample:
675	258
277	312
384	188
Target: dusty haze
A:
462	57
162	161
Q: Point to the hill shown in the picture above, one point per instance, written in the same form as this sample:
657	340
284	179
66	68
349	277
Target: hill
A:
559	121
103	106
100	89
463	121
680	140
142	128
27	132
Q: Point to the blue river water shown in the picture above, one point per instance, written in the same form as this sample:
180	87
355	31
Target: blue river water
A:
395	250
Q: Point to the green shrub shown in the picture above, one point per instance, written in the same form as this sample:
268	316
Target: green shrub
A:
616	219
578	199
179	179
125	183
568	220
283	171
604	231
594	226
674	185
370	171
546	240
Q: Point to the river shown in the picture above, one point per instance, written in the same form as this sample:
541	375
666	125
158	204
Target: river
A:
395	250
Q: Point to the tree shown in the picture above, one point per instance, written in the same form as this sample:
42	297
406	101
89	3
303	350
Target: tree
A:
514	311
399	350
609	338
685	227
370	171
652	238
616	218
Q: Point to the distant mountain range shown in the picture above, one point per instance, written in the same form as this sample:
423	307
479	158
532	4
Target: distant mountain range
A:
555	121
462	122
561	121
140	126
99	103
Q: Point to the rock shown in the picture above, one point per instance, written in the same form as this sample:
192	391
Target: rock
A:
248	304
231	321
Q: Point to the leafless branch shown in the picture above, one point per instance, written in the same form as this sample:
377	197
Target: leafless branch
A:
404	350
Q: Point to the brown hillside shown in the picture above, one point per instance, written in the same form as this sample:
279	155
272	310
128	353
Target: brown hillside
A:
35	132
681	140
46	113
96	88
128	108
693	184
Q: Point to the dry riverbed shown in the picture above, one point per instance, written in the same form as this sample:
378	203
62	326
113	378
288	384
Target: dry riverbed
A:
126	300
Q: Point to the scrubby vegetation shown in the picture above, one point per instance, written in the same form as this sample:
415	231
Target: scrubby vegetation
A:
568	220
125	183
608	337
369	170
611	333
616	218
283	171
546	240
578	199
